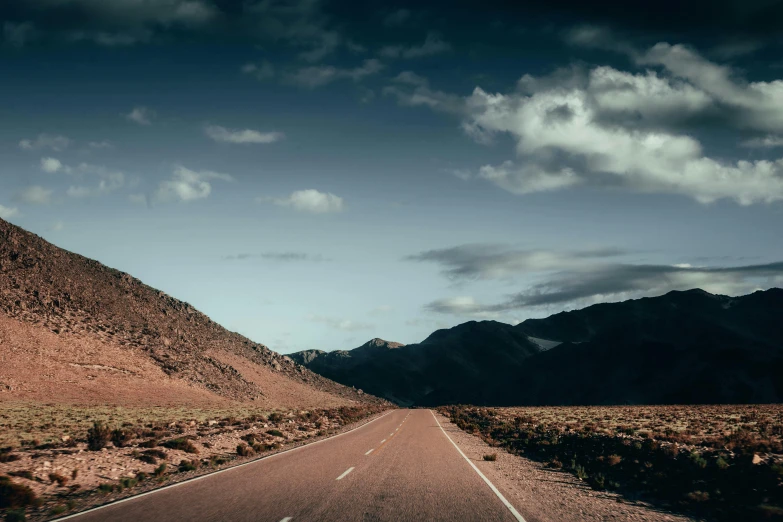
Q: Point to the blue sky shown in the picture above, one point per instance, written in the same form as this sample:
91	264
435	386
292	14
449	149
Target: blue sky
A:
313	174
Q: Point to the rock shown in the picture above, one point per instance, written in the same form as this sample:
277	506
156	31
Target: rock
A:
47	464
65	438
756	459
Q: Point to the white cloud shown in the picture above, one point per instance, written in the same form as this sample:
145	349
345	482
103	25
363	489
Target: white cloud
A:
433	44
243	136
51	165
766	142
263	71
35	195
141	115
108	181
46	141
459	305
490	261
524	179
346	325
57	226
188	185
312	201
8	212
412	90
568	122
755	105
19	34
317	76
100	145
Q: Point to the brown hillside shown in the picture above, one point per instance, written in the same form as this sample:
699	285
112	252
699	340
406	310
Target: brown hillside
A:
73	329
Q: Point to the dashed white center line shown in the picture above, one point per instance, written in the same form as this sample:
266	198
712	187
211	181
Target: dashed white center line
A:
345	474
370	451
384	440
287	519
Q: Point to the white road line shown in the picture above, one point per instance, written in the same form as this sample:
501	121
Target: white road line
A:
505	502
370	451
201	477
344	474
384	440
287	519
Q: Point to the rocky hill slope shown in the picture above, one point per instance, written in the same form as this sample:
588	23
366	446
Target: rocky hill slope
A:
73	328
683	347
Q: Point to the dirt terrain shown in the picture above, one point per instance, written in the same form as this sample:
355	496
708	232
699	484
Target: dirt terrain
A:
72	329
716	462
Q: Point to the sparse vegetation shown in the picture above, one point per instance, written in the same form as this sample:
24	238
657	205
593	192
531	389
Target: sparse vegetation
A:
154	445
181	444
718	462
14	496
491	457
243	450
98	436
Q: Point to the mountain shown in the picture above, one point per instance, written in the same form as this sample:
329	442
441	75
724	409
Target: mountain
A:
72	329
453	365
682	347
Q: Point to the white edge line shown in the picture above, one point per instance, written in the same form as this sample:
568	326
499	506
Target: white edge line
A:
370	451
134	497
511	508
345	473
287	519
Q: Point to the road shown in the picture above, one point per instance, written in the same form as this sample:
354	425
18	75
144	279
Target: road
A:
401	466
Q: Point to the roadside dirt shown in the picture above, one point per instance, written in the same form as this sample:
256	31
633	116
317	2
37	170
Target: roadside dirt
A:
544	495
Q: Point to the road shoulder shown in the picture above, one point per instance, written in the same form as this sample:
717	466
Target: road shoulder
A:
543	495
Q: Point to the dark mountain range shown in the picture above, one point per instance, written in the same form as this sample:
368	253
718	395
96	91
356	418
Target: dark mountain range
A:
682	347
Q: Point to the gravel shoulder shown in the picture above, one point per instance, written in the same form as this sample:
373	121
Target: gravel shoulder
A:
544	495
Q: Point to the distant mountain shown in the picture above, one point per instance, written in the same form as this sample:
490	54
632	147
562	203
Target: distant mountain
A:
457	364
72	329
682	347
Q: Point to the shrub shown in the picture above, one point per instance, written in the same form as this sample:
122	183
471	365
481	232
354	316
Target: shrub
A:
188	465
98	436
58	510
149	459
182	444
275	417
492	457
152	443
106	488
598	481
15	515
614	460
243	450
121	437
14	495
698	496
275	433
160	470
60	479
128	482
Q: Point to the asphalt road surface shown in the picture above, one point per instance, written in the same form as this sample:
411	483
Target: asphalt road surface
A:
401	466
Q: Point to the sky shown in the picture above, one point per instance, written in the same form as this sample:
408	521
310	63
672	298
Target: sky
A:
313	174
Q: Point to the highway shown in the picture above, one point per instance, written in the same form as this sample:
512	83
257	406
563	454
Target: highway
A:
401	466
